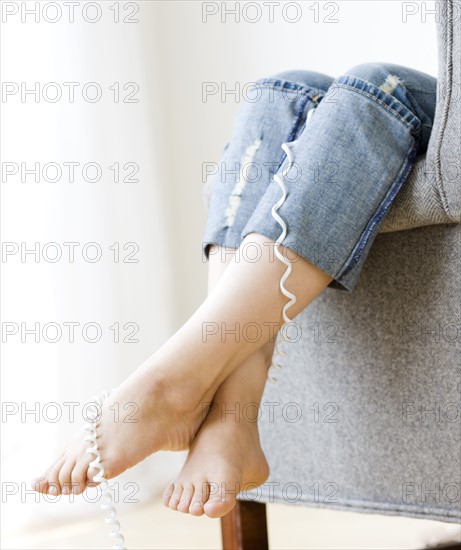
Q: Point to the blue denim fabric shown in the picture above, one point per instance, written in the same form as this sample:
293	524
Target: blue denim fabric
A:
352	154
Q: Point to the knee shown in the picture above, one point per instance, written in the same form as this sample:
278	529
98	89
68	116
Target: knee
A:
292	76
310	79
376	73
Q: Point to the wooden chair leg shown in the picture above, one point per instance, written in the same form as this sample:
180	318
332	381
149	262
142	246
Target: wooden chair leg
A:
245	527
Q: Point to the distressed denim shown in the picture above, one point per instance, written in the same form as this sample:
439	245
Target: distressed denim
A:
354	140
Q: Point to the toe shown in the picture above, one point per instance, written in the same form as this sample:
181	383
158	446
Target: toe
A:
217	508
79	478
65	477
175	497
221	500
167	494
196	508
186	498
40	483
53	478
201	494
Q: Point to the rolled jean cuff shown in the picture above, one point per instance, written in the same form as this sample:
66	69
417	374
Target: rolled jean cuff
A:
253	155
324	254
334	208
393	102
350	159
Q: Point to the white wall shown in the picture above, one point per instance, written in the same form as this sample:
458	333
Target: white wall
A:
169	133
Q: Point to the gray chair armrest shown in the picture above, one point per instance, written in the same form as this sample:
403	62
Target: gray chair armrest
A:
432	194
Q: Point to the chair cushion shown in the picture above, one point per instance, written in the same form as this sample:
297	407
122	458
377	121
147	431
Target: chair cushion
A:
376	378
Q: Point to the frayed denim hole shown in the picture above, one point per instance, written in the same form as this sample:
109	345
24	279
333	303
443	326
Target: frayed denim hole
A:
235	198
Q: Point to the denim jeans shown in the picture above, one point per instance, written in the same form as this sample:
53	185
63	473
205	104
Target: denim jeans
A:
353	142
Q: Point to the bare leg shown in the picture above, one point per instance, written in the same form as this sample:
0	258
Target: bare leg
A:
171	387
226	454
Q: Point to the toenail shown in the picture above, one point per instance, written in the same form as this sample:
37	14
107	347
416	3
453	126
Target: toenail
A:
196	506
75	490
53	490
65	490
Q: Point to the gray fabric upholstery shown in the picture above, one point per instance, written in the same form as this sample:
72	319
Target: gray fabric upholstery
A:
379	359
448	154
376	361
432	194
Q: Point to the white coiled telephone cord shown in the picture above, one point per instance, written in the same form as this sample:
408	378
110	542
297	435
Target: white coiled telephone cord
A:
95	411
93	417
279	179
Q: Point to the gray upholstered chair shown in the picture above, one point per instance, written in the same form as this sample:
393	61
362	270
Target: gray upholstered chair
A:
376	375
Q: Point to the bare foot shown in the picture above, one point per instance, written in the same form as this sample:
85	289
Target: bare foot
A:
150	411
169	390
226	456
